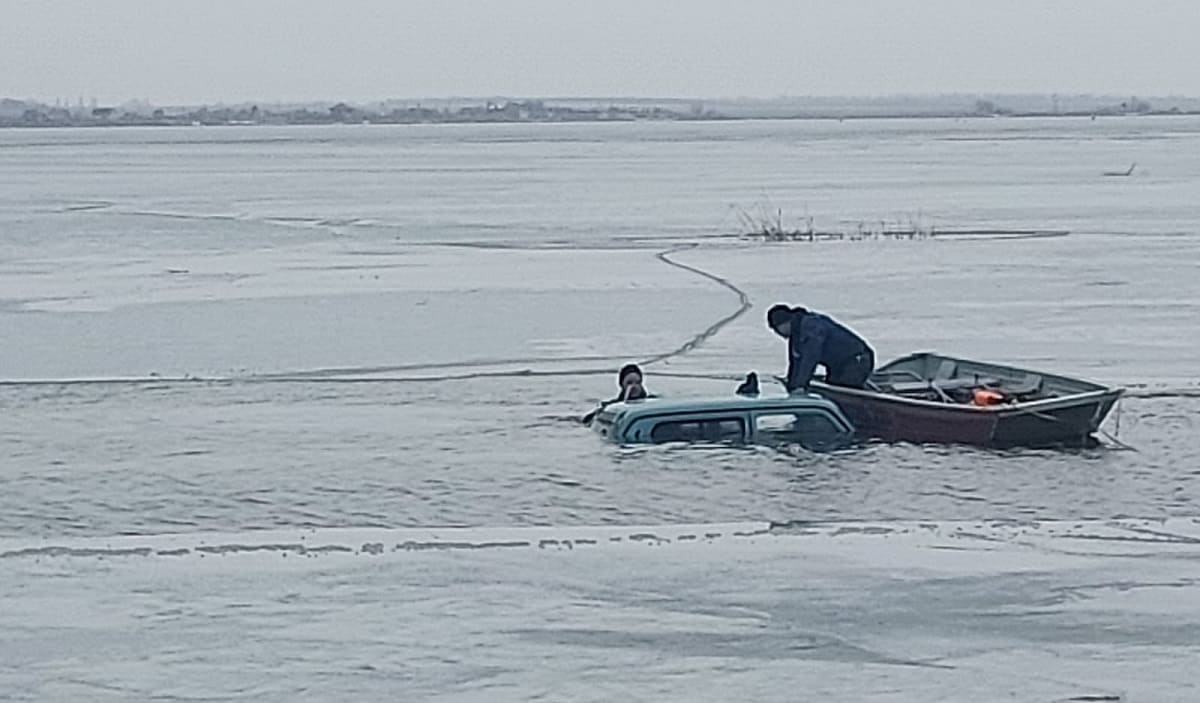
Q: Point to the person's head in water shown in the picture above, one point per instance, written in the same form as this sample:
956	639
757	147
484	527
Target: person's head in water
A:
629	379
779	318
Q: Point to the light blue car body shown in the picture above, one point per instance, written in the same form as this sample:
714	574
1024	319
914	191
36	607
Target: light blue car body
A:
806	419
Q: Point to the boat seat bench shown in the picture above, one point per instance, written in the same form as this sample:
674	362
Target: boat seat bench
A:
953	384
1027	385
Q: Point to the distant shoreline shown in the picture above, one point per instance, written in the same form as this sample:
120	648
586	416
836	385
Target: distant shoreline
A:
27	114
216	122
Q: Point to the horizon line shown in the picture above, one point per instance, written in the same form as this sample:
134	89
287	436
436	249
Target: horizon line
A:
612	98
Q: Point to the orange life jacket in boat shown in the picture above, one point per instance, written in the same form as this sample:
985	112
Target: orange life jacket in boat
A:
987	396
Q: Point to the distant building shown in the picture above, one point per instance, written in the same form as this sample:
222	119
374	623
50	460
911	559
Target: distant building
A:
345	113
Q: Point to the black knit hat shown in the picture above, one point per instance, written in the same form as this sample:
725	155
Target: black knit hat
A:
625	371
778	314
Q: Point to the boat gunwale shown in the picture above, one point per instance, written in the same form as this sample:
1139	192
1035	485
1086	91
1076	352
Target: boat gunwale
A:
1047	375
1010	408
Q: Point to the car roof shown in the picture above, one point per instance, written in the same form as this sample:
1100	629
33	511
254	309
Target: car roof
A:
729	403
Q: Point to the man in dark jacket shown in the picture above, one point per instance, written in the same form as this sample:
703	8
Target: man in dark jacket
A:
814	339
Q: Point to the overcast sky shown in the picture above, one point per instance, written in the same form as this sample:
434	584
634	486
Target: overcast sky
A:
172	51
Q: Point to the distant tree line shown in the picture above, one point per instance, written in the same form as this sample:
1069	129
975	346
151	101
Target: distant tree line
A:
342	113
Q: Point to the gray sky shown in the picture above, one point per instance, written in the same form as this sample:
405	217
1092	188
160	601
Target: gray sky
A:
174	51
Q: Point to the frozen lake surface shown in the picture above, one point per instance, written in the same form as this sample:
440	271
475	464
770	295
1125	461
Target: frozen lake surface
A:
365	336
1054	611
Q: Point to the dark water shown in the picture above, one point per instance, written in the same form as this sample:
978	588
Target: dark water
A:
149	459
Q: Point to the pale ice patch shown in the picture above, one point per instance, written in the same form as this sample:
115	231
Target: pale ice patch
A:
981	611
325	306
96	284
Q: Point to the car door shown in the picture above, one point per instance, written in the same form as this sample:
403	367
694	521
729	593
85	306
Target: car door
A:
811	428
717	427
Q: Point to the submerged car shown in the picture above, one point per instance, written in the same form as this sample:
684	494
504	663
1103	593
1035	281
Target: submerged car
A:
809	420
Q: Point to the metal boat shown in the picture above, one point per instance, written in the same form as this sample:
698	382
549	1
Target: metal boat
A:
931	398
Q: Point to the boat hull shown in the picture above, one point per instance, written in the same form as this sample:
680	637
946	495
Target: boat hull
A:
1070	419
